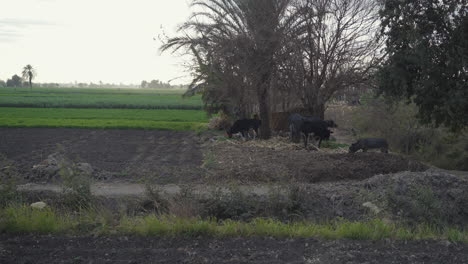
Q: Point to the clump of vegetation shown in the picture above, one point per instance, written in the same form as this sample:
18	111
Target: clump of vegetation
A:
287	206
419	205
397	123
232	204
220	122
8	182
154	202
20	219
185	204
209	160
76	185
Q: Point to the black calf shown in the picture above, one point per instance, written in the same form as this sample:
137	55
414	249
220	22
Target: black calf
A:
243	126
369	143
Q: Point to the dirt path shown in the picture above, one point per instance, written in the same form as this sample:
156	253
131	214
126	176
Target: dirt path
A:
120	249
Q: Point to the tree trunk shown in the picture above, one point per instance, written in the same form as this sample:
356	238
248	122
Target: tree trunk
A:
265	131
318	110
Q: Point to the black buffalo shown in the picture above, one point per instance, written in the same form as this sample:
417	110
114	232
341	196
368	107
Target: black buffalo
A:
318	128
243	126
369	143
316	124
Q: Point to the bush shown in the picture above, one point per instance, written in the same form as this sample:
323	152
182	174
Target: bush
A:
220	122
76	186
8	182
229	205
421	205
154	201
398	124
288	206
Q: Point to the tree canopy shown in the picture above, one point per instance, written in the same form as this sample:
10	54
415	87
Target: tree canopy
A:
15	81
427	46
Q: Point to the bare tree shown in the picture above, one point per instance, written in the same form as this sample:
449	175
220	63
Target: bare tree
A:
339	48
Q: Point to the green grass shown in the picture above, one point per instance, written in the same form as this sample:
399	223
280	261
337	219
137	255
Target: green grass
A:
98	98
160	119
21	219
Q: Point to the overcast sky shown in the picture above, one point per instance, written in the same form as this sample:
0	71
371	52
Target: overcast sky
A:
91	40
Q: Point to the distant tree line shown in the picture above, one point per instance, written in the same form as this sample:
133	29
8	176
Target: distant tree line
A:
157	84
17	81
28	73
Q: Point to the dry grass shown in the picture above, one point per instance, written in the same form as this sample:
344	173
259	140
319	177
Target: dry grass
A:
280	144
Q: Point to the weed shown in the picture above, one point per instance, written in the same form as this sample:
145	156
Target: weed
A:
185	204
26	219
20	219
8	182
154	202
289	205
76	185
420	205
231	204
209	161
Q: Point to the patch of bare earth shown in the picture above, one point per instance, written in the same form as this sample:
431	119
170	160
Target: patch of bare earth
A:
120	249
279	161
165	156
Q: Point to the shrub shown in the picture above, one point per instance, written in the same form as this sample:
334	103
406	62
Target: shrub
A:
288	206
232	204
8	182
398	124
154	201
220	122
76	186
419	205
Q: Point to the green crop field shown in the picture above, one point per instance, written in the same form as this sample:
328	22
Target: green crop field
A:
100	108
103	118
98	98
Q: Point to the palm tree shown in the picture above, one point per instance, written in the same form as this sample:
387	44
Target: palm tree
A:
234	43
29	73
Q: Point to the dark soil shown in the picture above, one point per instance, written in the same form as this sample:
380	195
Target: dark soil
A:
62	249
176	157
245	163
166	156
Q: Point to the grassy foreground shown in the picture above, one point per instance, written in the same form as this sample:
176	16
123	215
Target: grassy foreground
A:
98	98
22	219
180	120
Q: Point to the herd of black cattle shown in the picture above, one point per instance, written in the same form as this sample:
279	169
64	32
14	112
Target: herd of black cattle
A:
305	126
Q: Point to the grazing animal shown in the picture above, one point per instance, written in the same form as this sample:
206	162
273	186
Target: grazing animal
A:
318	128
243	126
330	123
297	121
369	143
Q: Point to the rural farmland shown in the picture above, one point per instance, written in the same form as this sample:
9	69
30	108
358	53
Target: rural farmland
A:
234	131
171	161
